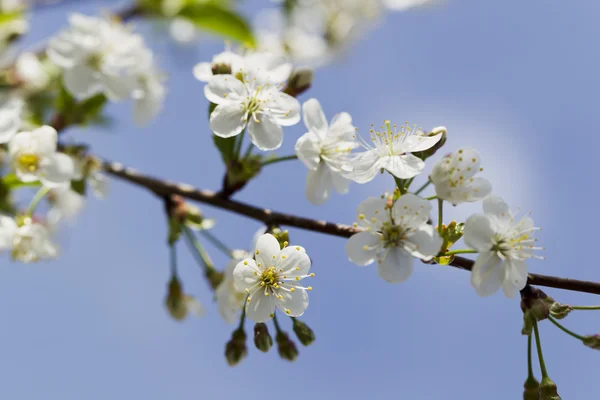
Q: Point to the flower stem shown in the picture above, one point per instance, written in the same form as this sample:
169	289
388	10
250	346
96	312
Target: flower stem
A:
585	307
461	251
173	259
565	330
41	193
217	243
279	159
431	198
238	145
276	323
440	214
399	184
201	254
249	150
538	344
419	190
529	363
243	316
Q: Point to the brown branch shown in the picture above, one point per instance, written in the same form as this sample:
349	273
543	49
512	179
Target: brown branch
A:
165	188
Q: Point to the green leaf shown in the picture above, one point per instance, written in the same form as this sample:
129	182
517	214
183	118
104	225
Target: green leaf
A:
219	20
11	181
79	186
226	146
79	112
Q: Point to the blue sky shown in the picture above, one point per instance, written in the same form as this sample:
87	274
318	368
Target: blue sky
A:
516	80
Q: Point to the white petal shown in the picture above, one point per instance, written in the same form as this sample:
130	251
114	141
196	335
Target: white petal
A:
193	306
8	229
411	210
318	184
283	108
293	262
509	289
308	150
371	213
10	122
56	170
266	134
82	82
118	88
223	89
43	140
425	243
314	118
227	120
267	250
397	266
488	274
363	168
229	307
516	273
341	127
479	232
404	167
340	183
260	307
203	71
292	303
419	143
474	190
362	247
494	205
246	274
99	185
466	162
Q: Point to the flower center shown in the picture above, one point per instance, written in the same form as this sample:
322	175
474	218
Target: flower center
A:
269	277
253	104
28	162
95	61
23	249
393	235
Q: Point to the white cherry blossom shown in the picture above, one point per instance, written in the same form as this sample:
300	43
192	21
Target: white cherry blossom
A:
149	94
230	300
454	177
391	150
66	204
33	157
28	242
324	149
272	281
393	237
31	72
264	65
504	244
10	117
98	56
258	105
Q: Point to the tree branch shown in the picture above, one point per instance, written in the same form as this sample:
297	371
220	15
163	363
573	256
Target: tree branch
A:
269	217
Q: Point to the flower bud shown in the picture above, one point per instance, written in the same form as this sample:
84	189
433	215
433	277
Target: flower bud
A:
262	339
303	332
533	302
548	390
175	300
299	82
560	311
531	391
287	349
235	349
592	341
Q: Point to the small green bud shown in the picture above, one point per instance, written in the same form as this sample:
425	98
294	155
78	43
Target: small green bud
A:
548	390
235	349
262	339
282	236
305	335
221	69
174	301
299	82
592	341
531	391
560	311
287	349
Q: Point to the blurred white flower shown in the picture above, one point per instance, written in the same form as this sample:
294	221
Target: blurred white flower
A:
28	242
272	280
10	117
13	20
33	157
503	245
66	204
149	95
403	5
393	237
98	56
454	177
253	103
31	72
263	65
391	151
324	149
183	31
230	300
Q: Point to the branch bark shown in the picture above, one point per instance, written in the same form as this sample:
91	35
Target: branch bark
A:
164	188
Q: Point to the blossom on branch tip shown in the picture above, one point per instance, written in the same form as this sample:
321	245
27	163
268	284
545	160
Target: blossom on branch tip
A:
271	279
27	241
504	245
454	177
324	149
33	157
260	106
390	150
393	237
